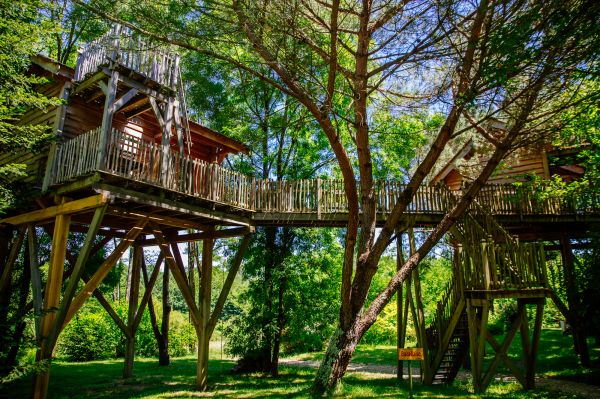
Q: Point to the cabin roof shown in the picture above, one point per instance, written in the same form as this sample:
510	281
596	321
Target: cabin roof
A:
53	67
467	149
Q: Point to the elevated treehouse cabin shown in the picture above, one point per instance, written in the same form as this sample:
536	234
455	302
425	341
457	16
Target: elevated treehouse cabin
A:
129	165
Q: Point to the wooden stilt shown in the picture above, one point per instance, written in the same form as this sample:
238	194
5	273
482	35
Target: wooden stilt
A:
535	343
205	298
400	325
134	291
501	352
51	299
80	263
472	326
420	313
579	339
36	280
525	340
482	331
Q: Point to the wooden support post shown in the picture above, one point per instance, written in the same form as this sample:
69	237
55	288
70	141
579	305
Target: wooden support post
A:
36	280
51	300
525	341
483	321
472	323
477	337
134	291
420	320
535	344
175	264
107	116
502	353
80	263
400	326
205	298
10	261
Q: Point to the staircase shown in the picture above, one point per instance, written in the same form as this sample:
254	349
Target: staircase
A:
488	258
455	353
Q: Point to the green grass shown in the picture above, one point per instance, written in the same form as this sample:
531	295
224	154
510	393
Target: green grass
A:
556	358
102	379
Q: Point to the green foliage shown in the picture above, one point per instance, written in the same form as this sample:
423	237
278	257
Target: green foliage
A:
310	296
89	336
397	139
435	272
93	335
22	35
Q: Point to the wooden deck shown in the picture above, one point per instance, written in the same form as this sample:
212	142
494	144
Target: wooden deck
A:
292	202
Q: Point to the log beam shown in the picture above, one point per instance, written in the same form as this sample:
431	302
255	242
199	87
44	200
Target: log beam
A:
103	270
66	208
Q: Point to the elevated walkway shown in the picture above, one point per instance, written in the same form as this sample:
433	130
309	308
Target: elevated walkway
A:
144	167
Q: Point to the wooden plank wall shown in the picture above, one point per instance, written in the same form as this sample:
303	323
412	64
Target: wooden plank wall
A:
525	161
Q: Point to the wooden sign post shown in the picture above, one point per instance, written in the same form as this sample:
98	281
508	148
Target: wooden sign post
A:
410	354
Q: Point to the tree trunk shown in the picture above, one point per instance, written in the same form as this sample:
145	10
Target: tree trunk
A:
280	325
573	300
337	357
163	341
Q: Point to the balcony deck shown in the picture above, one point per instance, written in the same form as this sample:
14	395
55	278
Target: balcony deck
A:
134	166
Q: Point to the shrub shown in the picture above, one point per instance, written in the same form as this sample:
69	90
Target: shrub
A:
89	336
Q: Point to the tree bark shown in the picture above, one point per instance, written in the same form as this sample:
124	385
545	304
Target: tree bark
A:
579	336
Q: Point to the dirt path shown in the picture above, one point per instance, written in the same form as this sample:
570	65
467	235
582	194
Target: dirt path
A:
550	384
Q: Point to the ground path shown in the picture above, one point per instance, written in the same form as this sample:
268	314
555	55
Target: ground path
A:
585	390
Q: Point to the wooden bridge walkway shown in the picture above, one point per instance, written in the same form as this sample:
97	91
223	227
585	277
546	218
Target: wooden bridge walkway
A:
291	202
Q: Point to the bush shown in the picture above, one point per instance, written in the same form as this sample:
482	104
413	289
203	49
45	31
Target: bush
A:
182	336
89	336
93	335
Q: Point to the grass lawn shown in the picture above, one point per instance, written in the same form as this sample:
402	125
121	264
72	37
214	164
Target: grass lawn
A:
102	379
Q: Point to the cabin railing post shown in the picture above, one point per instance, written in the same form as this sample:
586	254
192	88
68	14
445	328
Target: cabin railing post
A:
318	197
50	168
485	264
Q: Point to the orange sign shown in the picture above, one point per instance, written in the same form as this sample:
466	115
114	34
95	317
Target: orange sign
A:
411	354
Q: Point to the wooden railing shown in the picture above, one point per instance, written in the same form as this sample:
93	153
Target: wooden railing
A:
140	160
134	53
488	266
75	157
509	199
445	309
134	158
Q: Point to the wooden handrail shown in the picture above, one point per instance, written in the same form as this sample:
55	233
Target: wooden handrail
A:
119	46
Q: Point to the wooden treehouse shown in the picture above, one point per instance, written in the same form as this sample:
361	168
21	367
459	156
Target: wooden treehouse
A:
128	165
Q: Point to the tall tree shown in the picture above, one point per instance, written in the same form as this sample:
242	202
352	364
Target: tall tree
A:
472	60
74	26
22	35
285	145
